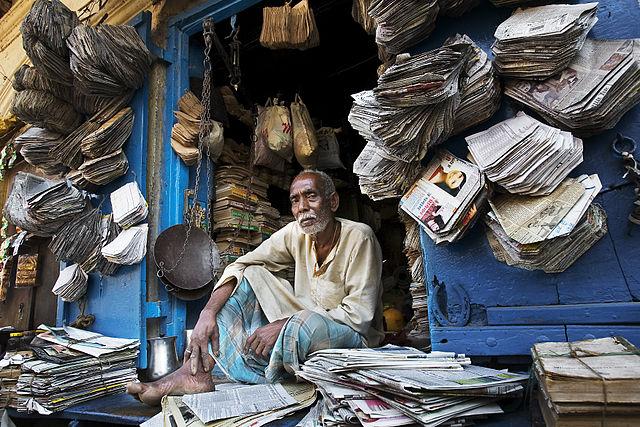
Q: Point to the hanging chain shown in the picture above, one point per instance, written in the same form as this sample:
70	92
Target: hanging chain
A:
204	132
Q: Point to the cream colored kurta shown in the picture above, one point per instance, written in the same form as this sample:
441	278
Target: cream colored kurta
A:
346	288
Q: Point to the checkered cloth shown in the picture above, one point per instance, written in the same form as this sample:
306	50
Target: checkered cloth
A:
305	332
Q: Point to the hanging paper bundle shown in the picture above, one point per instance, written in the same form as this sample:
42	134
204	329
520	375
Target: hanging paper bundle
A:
35	144
29	78
275	27
42	109
110	136
303	32
359	13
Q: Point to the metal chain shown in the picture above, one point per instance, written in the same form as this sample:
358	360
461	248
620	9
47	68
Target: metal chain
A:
204	131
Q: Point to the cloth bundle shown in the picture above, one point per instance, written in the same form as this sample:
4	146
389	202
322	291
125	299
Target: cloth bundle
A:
287	27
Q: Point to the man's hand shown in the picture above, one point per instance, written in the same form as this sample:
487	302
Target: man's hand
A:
205	331
261	342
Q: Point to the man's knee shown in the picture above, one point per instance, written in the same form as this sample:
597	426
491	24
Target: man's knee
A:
307	322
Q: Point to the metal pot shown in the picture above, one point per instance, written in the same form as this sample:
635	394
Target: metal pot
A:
162	357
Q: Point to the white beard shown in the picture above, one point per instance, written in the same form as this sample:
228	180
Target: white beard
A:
322	221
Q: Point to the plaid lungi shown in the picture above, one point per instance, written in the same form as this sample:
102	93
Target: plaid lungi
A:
305	332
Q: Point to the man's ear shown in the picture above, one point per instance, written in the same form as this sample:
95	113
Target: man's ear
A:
334	201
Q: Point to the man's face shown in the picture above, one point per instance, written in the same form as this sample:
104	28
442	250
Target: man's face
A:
310	207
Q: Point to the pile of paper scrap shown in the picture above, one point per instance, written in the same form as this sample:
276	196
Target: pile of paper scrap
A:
402	23
538	42
588	383
184	134
234	405
242	214
446	199
525	156
129	247
103	170
550	232
41	206
72	366
413	108
34	146
393	386
9	374
110	136
71	284
593	93
128	205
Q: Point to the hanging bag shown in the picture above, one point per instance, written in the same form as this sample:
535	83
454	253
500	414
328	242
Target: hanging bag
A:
261	155
275	27
305	141
303	32
276	128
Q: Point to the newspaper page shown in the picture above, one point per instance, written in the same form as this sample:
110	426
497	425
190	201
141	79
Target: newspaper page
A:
592	187
532	219
218	405
91	343
436	198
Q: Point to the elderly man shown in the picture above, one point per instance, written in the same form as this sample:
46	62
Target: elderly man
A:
257	327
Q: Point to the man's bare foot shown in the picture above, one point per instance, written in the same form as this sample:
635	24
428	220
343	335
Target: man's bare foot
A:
176	383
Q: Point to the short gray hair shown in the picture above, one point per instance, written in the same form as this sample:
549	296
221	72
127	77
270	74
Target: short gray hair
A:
328	187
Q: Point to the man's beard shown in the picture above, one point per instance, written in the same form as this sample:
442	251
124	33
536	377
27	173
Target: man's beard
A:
322	221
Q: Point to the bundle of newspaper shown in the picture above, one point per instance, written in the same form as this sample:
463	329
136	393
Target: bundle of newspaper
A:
9	374
34	146
41	206
402	23
446	199
600	85
525	156
103	170
71	284
547	233
401	386
539	42
129	247
586	383
73	366
79	241
479	87
242	214
128	205
110	136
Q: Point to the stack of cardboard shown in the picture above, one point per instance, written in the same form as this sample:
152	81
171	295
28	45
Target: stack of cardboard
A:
242	214
588	383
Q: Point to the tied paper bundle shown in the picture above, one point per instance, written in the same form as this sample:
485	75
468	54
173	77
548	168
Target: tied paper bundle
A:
305	141
128	205
403	23
104	170
286	27
42	109
588	383
360	14
71	284
29	78
403	386
600	85
45	30
539	42
69	152
42	206
447	198
34	146
525	156
129	247
79	241
382	176
73	366
455	8
547	233
110	136
108	59
479	88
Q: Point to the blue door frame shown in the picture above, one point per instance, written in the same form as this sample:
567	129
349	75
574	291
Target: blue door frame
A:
175	174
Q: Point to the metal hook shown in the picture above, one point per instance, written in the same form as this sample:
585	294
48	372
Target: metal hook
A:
623	145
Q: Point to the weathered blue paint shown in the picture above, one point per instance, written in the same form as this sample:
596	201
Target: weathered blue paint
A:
587	332
118	301
608	273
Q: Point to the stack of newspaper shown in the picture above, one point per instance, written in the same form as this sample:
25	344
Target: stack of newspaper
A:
129	247
479	88
71	284
42	206
72	366
234	405
80	240
402	23
128	205
242	214
525	156
103	170
550	232
9	374
392	386
588	383
539	42
445	201
593	93
34	146
110	136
